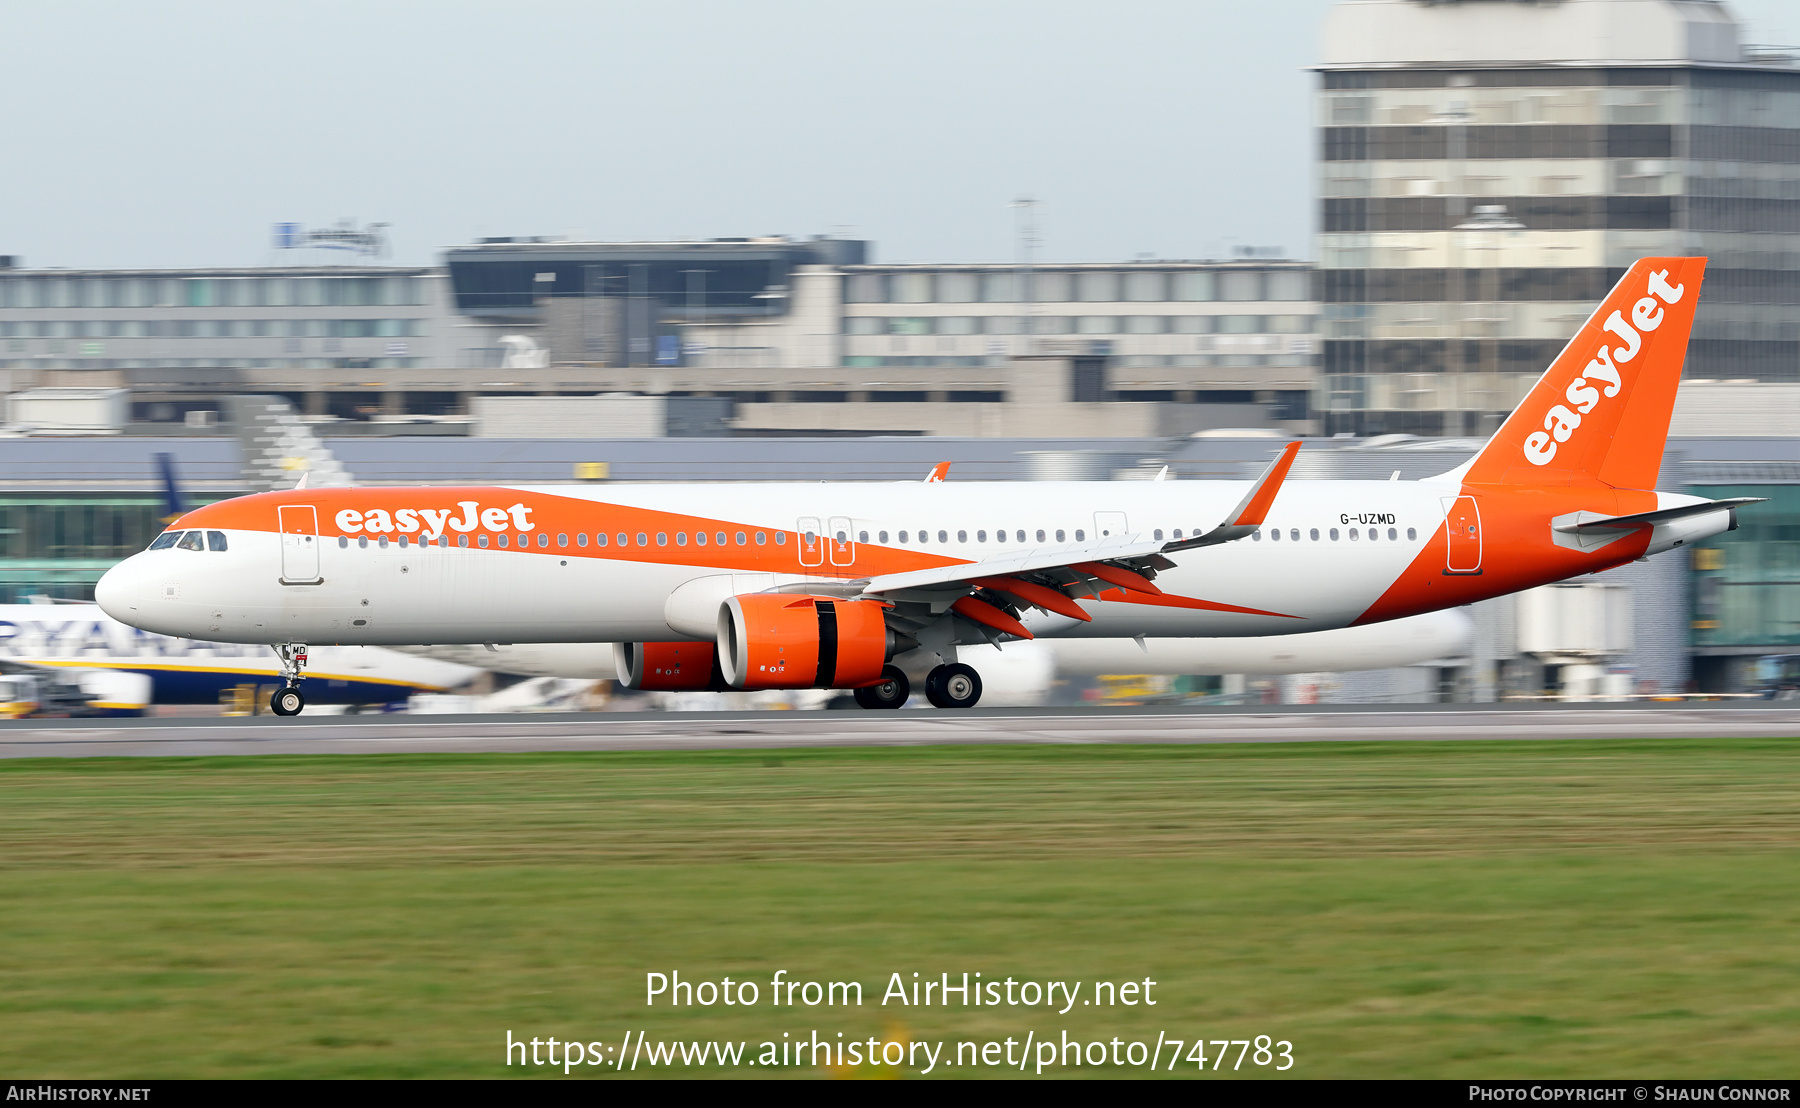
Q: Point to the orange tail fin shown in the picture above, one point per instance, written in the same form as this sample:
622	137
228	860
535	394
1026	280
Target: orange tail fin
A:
1600	413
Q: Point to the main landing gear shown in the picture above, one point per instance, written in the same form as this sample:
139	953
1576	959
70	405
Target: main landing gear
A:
948	686
953	686
891	693
288	701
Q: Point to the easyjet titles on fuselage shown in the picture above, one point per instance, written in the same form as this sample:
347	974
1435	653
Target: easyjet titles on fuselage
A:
432	521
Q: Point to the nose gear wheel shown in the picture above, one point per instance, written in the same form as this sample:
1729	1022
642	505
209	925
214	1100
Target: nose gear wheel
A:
287	702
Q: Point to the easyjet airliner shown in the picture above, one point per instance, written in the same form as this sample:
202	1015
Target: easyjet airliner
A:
754	586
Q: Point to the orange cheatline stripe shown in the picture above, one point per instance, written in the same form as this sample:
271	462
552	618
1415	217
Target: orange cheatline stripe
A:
1048	599
1258	508
982	612
553	515
1113	575
1167	601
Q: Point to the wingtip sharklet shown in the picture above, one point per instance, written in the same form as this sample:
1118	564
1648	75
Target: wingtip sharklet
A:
1256	503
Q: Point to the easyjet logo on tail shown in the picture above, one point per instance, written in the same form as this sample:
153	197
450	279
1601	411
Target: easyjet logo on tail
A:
1562	420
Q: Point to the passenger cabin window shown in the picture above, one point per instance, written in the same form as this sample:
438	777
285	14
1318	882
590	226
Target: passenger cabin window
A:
902	537
1080	535
1334	534
719	538
1412	535
481	541
1294	534
1059	536
500	541
943	536
863	536
883	536
190	540
1040	535
1157	535
1255	536
1274	534
563	539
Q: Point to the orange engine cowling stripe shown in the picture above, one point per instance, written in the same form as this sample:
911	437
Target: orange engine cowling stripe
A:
1048	599
1113	575
982	612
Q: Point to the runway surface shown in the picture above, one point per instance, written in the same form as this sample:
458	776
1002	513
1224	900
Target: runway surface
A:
762	730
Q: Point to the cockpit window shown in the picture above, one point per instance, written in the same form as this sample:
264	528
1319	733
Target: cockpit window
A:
191	540
166	540
215	540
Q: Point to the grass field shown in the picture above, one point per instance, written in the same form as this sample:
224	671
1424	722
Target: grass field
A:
1407	909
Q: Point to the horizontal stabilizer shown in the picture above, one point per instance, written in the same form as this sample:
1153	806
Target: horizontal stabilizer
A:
1647	519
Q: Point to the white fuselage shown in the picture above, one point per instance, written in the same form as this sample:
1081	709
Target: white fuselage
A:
1354	539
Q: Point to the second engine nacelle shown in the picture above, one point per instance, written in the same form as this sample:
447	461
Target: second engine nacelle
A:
782	641
664	666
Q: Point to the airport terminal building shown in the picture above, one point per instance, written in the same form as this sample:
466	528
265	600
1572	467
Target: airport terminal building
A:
1488	170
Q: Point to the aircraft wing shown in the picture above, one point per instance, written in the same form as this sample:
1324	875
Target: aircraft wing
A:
1022	561
1047	577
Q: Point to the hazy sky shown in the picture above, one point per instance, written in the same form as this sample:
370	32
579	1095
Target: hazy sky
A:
176	133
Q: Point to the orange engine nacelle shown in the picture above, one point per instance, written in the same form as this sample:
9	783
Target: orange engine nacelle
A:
664	666
776	641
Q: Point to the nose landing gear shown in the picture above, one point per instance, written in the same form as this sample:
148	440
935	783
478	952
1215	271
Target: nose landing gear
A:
288	701
953	686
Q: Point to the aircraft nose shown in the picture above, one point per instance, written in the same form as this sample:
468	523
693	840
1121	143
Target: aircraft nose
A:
123	590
